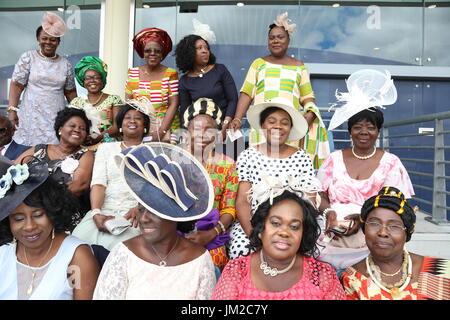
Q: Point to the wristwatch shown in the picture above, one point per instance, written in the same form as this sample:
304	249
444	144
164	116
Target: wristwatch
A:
225	122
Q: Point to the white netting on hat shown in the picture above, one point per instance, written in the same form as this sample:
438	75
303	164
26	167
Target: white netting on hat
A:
367	88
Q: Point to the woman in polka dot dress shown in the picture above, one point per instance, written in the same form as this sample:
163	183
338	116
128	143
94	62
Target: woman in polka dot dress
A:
279	122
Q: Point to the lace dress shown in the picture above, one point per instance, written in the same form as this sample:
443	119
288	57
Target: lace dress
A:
125	276
45	81
117	201
318	282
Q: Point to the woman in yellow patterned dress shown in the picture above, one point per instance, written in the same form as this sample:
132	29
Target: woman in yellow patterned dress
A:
156	82
278	75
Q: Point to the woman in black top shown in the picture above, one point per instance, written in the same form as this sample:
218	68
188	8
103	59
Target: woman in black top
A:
204	78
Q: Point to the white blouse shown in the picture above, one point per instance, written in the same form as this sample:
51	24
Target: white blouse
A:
125	276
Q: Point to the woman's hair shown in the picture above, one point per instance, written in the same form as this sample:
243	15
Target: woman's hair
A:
64	115
372	115
310	231
267	112
121	115
60	205
185	53
393	199
39	30
273	25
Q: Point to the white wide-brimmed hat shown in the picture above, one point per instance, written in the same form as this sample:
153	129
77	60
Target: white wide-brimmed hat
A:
299	124
367	88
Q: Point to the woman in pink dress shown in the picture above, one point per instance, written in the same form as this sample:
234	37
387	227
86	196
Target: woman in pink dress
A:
351	176
283	267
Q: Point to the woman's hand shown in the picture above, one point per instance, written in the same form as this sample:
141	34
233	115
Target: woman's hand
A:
202	237
354	227
12	116
309	117
132	216
99	220
235	124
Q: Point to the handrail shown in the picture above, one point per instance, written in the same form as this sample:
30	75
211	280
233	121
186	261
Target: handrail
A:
424	118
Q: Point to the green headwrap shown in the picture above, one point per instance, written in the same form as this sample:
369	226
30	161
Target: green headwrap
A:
90	63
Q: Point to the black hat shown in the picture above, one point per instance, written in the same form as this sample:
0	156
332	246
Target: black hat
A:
17	182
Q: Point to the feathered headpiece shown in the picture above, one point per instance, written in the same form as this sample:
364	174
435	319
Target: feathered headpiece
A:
142	104
53	24
203	30
272	187
282	20
367	88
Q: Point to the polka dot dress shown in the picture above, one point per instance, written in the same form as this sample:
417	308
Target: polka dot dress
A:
252	165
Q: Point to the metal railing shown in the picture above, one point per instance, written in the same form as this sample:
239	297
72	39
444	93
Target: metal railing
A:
439	191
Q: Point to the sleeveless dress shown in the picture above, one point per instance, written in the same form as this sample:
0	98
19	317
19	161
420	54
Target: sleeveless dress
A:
54	284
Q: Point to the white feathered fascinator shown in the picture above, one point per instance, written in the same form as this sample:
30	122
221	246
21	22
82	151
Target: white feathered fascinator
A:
142	104
272	187
282	20
367	88
203	30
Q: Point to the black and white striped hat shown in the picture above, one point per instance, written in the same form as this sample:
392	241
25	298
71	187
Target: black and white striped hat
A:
202	106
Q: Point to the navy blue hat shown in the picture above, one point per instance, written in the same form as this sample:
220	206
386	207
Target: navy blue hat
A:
167	180
17	182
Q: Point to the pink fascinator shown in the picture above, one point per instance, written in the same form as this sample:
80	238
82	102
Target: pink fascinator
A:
53	25
283	21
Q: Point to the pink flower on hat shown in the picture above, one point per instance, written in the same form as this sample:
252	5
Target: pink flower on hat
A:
53	25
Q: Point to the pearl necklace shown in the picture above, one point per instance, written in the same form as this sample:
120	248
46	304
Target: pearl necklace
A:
45	57
393	291
364	157
273	271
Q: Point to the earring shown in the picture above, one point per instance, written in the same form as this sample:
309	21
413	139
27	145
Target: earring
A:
120	130
59	133
14	243
145	130
259	235
53	233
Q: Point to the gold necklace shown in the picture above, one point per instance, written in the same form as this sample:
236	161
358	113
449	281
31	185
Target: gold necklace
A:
162	261
101	96
33	272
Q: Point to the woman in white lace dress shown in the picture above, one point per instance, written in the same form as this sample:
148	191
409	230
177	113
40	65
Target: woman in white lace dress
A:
46	80
160	264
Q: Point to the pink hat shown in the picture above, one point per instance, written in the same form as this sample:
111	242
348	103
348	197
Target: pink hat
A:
53	25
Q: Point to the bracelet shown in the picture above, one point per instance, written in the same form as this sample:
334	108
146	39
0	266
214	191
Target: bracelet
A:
95	211
240	121
12	108
221	226
218	232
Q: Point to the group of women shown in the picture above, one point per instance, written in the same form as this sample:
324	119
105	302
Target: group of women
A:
151	220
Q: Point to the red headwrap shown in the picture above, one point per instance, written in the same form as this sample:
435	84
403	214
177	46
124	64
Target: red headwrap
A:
152	34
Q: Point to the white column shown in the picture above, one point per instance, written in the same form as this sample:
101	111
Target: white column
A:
116	32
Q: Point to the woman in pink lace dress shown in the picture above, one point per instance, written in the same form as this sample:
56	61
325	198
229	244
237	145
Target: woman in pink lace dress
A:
283	267
348	178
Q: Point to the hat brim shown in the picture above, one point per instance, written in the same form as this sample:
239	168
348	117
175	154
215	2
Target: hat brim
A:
156	201
299	125
15	196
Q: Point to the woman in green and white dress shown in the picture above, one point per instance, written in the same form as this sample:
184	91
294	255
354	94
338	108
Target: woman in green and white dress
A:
278	75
